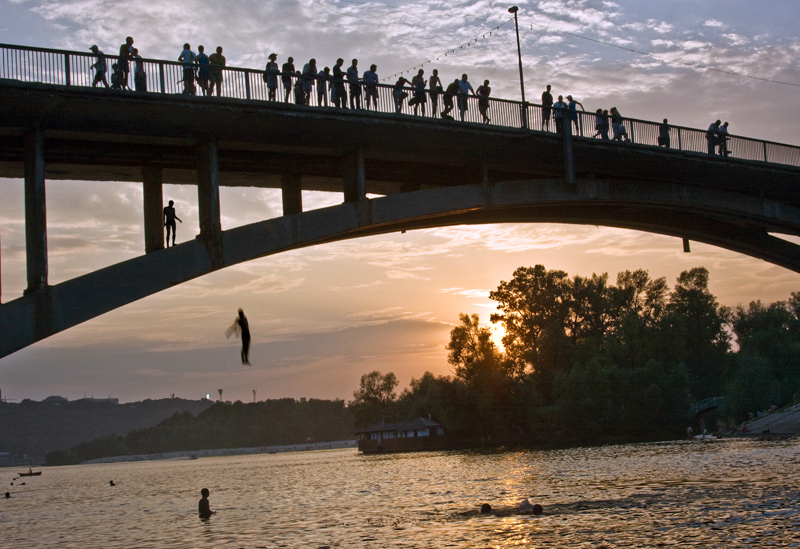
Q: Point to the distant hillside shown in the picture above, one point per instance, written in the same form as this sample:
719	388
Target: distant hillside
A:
268	423
35	428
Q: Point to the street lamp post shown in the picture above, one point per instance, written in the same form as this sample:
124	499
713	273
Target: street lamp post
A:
524	111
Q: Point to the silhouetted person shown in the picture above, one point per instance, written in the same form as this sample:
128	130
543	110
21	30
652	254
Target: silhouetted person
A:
287	71
125	53
723	139
244	326
435	86
573	113
355	87
169	221
663	134
712	136
338	95
309	77
217	61
100	67
598	123
204	70
483	92
188	58
464	88
271	72
420	97
451	91
547	104
371	86
299	96
398	94
559	108
116	77
606	124
203	507
620	133
323	78
139	76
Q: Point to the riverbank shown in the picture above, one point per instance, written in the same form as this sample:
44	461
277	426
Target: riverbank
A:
220	452
785	422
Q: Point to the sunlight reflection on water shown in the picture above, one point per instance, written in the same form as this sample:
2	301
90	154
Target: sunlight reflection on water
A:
736	493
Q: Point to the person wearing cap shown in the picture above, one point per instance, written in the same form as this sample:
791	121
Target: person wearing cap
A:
573	111
100	67
217	61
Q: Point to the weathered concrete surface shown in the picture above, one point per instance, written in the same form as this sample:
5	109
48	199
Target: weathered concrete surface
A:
783	422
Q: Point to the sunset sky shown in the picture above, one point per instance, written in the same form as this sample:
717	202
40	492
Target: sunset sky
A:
323	316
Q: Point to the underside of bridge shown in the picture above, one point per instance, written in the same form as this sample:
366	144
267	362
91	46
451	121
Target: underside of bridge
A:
394	172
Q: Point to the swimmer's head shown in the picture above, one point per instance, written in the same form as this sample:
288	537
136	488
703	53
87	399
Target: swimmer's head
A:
537	509
486	508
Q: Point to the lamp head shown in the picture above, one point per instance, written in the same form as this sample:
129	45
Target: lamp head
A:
513	9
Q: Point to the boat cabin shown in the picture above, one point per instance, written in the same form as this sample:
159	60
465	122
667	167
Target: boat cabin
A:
405	436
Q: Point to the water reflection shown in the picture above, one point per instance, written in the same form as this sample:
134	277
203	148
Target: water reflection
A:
739	493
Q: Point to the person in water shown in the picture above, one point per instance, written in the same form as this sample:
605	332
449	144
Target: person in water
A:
203	507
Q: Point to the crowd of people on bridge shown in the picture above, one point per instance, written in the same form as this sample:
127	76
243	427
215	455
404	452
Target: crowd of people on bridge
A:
345	88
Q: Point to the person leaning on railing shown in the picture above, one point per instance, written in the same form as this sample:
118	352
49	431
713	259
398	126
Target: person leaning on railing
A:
217	61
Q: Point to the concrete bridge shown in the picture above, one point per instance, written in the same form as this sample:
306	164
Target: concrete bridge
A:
394	172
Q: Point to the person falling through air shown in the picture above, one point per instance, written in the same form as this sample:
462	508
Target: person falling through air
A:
169	221
241	326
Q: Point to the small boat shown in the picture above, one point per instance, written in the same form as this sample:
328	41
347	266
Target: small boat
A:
30	474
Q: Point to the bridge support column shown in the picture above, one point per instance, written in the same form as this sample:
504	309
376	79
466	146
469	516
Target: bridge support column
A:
35	212
354	176
292	193
569	159
208	197
153	209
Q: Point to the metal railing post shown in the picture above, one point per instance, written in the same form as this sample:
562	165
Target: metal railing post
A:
161	77
766	158
680	143
247	84
67	76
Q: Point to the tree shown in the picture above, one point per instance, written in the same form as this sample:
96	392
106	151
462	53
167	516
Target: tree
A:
373	397
471	349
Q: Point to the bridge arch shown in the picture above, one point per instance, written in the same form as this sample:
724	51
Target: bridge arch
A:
731	220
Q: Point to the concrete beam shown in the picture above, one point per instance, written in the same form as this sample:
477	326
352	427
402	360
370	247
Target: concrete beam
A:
292	192
153	209
35	212
354	175
208	188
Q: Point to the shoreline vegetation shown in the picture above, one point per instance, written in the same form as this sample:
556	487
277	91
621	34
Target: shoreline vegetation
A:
583	362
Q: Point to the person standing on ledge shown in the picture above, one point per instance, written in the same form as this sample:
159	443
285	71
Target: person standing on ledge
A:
203	507
169	221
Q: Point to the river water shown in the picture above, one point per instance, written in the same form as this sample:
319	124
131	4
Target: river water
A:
722	493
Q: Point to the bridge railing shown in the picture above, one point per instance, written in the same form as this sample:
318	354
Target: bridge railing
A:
67	68
706	404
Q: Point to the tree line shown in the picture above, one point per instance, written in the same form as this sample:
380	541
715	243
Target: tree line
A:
237	425
587	361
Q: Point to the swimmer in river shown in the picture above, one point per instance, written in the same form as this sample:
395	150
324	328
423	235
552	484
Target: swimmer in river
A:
111	483
524	507
203	507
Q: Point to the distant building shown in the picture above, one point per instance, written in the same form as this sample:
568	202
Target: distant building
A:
406	436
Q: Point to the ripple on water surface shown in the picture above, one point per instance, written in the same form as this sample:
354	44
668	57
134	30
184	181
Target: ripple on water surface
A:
727	493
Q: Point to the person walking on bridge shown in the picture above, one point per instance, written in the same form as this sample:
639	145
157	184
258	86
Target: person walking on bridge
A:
573	114
169	221
100	66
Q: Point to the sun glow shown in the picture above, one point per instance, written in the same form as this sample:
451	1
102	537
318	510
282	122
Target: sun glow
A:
498	331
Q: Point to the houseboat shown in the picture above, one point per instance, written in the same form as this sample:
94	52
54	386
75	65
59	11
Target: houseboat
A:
405	436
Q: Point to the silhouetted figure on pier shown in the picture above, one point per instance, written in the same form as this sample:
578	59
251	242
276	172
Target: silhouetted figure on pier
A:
483	92
547	107
663	134
203	71
139	75
286	78
271	72
573	114
712	137
355	87
116	77
451	92
723	139
559	109
203	507
125	54
620	133
337	93
399	94
598	123
371	86
299	96
217	61
420	97
464	88
100	67
309	77
169	221
188	58
323	79
435	85
241	327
